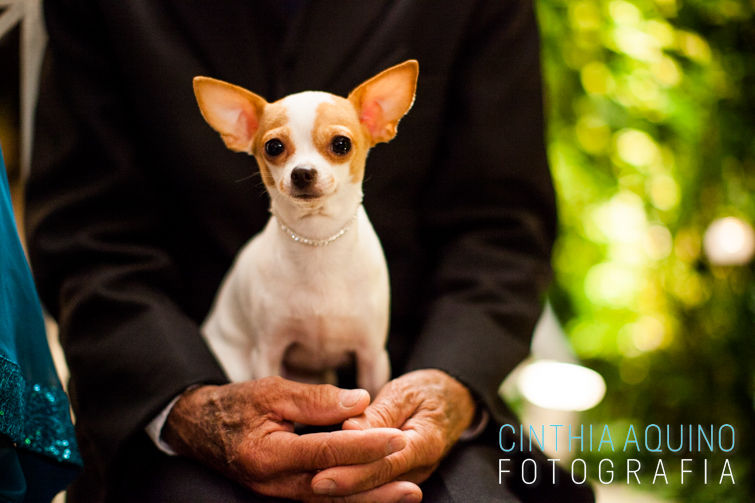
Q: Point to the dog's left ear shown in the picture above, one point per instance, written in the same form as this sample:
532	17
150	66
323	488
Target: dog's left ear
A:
384	99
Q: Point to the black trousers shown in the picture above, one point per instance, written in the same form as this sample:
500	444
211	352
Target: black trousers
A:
469	474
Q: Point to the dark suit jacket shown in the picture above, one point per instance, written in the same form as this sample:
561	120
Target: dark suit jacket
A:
136	208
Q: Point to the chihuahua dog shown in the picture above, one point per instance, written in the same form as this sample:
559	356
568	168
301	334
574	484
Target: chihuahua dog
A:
310	291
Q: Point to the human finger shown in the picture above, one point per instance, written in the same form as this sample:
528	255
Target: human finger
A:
422	451
392	492
390	409
316	451
297	487
311	404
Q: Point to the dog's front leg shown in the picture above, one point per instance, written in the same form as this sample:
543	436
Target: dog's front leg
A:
267	357
373	369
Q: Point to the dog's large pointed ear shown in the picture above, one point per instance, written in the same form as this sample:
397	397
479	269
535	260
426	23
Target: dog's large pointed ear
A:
384	99
230	110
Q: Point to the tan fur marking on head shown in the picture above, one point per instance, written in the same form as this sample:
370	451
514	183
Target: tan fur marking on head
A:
275	116
340	118
267	178
272	125
284	135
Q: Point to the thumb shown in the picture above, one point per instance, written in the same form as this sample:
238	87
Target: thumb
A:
389	410
316	404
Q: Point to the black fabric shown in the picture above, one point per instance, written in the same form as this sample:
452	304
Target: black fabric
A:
136	209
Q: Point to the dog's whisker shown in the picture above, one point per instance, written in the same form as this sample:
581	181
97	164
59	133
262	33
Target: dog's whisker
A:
243	179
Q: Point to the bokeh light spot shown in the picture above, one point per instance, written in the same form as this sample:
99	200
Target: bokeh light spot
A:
664	192
637	44
584	15
666	71
612	284
648	333
661	31
729	241
622	219
561	386
593	134
623	12
636	147
658	242
693	46
596	78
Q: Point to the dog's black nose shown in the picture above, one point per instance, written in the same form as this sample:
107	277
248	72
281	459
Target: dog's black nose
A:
303	177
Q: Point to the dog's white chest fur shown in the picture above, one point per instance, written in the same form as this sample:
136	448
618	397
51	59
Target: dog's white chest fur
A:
313	306
288	306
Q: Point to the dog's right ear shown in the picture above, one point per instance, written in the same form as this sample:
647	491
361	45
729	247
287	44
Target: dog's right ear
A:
230	110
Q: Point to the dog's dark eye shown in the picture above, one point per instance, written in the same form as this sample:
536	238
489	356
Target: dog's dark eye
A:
274	147
340	145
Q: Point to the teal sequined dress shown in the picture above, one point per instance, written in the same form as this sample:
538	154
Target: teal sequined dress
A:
38	453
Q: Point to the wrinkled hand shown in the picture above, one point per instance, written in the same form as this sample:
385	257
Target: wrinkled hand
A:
432	408
246	431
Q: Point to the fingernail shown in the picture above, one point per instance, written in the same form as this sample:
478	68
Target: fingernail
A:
324	486
396	444
410	498
352	397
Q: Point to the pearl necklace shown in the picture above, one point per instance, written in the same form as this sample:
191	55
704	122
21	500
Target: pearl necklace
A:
315	242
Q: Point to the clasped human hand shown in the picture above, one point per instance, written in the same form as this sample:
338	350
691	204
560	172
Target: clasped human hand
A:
432	409
246	431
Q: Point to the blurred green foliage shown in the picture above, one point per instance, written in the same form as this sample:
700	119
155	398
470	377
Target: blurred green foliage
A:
651	113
